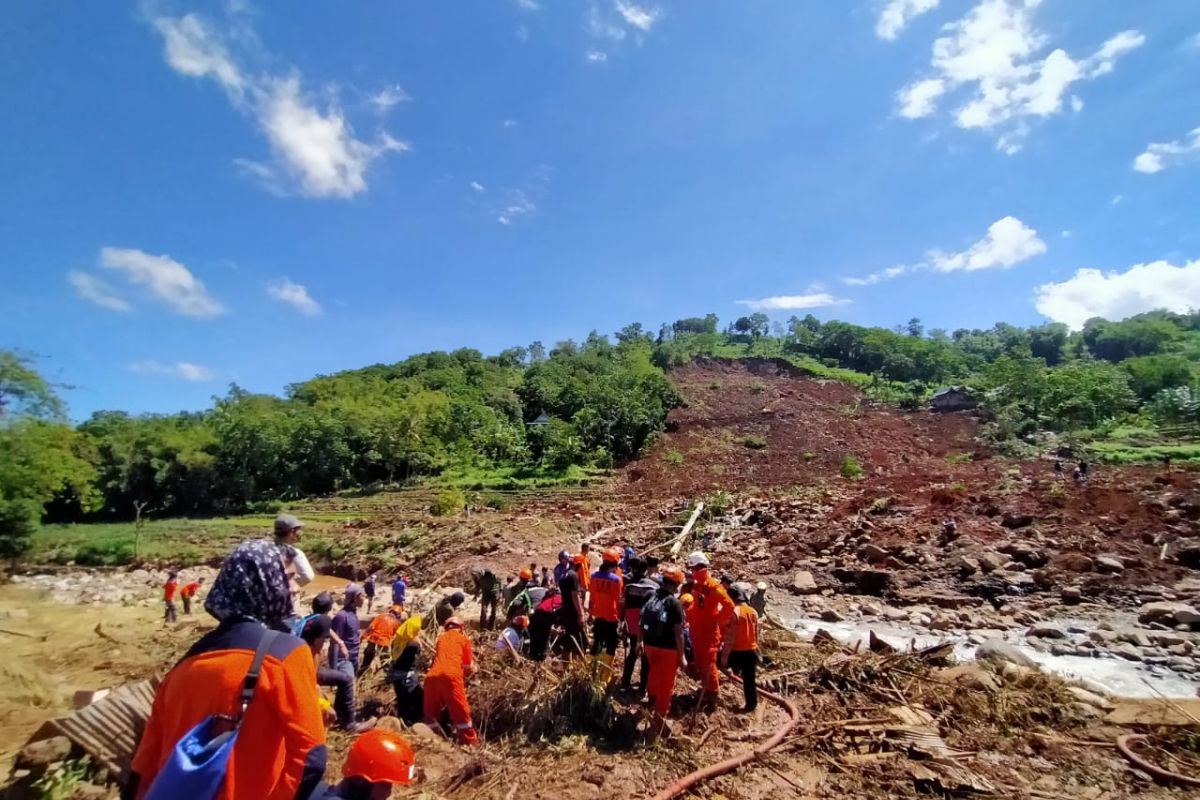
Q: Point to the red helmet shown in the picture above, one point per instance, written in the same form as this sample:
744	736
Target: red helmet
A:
454	622
674	575
612	555
525	574
521	621
380	756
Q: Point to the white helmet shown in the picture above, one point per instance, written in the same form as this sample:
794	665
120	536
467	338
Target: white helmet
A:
697	559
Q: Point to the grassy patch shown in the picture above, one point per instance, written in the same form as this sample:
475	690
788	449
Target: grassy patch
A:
674	458
1117	453
448	502
755	442
958	458
851	469
480	478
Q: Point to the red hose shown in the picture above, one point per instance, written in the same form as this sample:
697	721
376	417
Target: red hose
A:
1125	746
730	764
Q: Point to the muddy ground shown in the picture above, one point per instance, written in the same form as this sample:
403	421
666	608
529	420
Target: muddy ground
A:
763	449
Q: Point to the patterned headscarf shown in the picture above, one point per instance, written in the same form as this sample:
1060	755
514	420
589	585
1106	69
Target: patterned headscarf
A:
252	584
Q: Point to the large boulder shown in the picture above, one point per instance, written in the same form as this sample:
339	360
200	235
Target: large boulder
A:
997	650
1014	520
804	583
1168	613
1075	562
873	553
1046	631
39	756
1109	565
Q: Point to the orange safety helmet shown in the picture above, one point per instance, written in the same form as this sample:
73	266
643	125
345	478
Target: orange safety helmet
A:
380	756
525	574
454	622
521	621
673	574
686	599
612	555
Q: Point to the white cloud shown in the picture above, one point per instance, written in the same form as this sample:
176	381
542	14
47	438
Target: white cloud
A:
882	275
314	149
1116	295
1066	234
180	369
791	302
898	13
94	290
1116	200
637	16
996	51
1076	103
194	49
387	97
477	186
597	56
165	278
1160	155
509	123
1008	242
527	5
517	206
295	295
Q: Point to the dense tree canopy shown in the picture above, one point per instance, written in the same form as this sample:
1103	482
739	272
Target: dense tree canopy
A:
596	403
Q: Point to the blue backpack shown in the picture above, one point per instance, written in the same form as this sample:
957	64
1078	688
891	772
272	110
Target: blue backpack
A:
196	768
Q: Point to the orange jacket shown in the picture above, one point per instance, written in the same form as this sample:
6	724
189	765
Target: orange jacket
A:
745	636
169	590
605	596
451	654
189	590
280	750
383	627
713	608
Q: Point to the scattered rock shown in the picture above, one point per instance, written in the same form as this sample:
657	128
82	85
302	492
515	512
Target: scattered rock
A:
1126	651
997	650
1014	520
829	615
872	553
1071	595
804	583
38	756
1167	612
967	566
1109	565
1075	562
1046	631
990	562
1189	556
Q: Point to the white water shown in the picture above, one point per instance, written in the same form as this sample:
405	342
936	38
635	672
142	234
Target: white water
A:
1112	674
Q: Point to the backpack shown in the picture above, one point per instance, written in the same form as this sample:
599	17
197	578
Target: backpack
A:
654	619
521	604
638	593
197	765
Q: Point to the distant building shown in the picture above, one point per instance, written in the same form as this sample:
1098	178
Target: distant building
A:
542	421
952	398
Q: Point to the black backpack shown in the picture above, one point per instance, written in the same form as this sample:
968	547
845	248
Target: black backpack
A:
637	594
654	619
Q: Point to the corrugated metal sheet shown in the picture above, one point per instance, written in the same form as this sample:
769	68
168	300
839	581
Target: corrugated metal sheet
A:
109	729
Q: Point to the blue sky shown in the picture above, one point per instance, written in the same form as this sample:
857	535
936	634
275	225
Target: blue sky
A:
204	194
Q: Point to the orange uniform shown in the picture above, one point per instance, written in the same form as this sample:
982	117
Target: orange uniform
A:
605	597
660	683
189	590
169	591
280	750
709	616
745	629
446	684
383	627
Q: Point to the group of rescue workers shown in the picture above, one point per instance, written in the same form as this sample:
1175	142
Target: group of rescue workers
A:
260	669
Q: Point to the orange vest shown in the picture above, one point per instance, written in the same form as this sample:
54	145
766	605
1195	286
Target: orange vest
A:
451	654
383	627
713	608
605	603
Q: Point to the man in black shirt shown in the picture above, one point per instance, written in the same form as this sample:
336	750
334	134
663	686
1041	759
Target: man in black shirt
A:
662	636
570	614
638	591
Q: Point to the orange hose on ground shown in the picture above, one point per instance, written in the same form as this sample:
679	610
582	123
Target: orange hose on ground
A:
730	764
1123	745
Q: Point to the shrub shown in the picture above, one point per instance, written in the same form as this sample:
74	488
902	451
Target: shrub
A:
673	457
758	387
755	442
264	507
717	503
448	502
497	502
808	456
880	505
851	469
108	554
958	458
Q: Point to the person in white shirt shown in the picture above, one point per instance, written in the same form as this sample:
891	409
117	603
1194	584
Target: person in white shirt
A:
512	638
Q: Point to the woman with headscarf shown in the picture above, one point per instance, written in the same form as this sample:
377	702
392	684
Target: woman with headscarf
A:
279	752
410	697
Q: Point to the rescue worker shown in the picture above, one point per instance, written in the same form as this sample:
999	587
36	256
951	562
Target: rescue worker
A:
638	590
585	577
403	676
369	591
516	595
485	585
377	760
758	600
563	567
446	682
447	607
279	753
688	604
712	614
169	590
349	630
571	613
541	622
661	622
399	591
512	639
741	649
380	633
188	593
604	605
